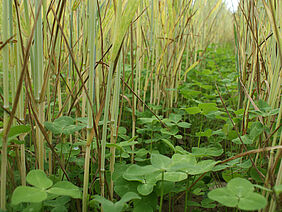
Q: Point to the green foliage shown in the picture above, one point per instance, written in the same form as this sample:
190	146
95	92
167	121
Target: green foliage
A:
64	125
239	193
43	190
14	132
109	206
168	159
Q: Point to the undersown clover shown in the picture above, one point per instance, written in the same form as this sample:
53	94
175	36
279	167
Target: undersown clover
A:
143	106
109	206
239	193
42	187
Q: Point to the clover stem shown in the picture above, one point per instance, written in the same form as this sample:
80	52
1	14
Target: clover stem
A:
169	201
199	140
151	145
162	193
186	194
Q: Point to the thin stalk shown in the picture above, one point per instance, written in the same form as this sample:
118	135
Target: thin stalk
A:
104	132
271	161
133	97
114	134
5	56
84	52
114	58
20	110
187	195
86	178
162	193
38	81
92	46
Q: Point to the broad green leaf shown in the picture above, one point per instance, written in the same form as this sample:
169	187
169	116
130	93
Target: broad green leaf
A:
255	175
206	151
256	130
207	133
278	189
107	205
143	208
28	194
189	93
193	110
178	136
17	130
245	164
59	208
252	201
64	120
64	125
263	106
145	189
68	130
223	196
122	144
65	188
115	145
14	132
38	179
208	203
53	128
160	161
146	120
33	207
168	187
167	142
168	122
246	140
173	176
122	186
181	162
184	124
175	117
229	174
137	173
201	85
151	200
240	187
201	167
207	108
180	150
63	148
121	131
172	131
142	153
128	197
125	143
62	200
192	203
265	109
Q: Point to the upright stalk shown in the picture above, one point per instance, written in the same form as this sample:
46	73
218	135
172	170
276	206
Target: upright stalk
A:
20	109
133	97
38	80
108	96
162	192
115	114
5	56
92	46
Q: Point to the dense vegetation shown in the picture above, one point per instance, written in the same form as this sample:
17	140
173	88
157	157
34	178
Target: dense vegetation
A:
144	105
